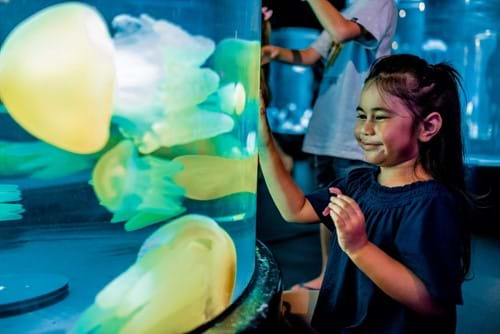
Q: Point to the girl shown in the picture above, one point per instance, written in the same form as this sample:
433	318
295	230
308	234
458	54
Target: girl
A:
401	249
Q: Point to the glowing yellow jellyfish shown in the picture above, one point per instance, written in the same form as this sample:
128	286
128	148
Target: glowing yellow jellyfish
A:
10	211
185	127
237	60
137	189
225	145
160	84
184	277
57	77
209	177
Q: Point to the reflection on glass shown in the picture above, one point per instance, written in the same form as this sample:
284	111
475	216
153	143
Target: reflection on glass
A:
136	112
464	34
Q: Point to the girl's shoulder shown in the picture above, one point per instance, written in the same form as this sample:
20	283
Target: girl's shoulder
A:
362	184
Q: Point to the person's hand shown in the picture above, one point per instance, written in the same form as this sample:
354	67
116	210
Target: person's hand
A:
349	222
266	13
268	53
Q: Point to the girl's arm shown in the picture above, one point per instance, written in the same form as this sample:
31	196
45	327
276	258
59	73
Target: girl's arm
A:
287	196
394	279
391	276
307	56
340	29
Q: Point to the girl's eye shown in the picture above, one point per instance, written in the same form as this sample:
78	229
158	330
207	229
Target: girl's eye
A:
381	117
361	116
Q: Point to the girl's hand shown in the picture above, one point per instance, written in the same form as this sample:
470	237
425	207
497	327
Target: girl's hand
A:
349	222
266	13
268	53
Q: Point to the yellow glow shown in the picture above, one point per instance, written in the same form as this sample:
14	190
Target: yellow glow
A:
184	276
57	77
137	189
209	177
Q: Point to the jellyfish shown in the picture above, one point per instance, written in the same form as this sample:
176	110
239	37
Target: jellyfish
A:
226	145
40	160
237	60
184	276
137	189
229	98
161	86
209	177
185	127
10	211
57	77
188	86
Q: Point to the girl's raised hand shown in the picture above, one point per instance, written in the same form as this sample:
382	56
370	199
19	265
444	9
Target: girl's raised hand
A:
349	222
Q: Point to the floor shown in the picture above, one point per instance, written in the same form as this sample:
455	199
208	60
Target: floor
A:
297	251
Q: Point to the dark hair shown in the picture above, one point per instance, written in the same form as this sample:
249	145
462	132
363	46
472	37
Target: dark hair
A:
426	88
265	36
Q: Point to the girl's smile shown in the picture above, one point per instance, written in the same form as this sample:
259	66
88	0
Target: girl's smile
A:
384	129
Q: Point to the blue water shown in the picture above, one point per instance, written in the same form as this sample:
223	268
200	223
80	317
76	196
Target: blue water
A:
64	229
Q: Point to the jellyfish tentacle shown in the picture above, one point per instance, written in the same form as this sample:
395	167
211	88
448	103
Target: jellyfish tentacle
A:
10	211
209	177
137	189
186	127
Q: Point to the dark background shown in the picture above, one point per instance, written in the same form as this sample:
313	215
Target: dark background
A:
295	13
481	180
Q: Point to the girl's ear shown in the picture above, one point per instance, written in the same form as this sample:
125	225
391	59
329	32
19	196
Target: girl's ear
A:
429	127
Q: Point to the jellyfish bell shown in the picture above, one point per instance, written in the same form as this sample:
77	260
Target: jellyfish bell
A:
57	77
184	276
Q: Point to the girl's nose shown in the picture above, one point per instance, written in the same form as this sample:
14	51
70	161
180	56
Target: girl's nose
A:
367	128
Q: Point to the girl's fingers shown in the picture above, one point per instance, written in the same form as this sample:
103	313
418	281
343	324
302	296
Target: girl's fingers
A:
336	220
345	205
326	211
353	206
334	190
341	216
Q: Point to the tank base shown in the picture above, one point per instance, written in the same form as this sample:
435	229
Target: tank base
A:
20	293
257	310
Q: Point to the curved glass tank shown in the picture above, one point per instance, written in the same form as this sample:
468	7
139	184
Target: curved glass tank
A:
464	33
127	163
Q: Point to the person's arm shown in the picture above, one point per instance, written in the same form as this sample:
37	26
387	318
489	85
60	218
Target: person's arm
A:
340	29
395	279
307	56
286	194
390	275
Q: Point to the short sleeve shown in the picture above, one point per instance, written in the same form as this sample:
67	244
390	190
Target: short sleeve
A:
320	198
375	16
428	241
322	44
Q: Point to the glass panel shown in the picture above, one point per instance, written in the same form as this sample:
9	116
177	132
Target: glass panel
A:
128	161
463	33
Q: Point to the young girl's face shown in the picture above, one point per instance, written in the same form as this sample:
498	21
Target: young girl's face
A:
384	129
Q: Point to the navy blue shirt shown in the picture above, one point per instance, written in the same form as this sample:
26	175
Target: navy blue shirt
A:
419	225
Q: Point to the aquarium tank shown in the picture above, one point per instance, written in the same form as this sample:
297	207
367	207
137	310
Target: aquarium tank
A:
465	34
128	163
